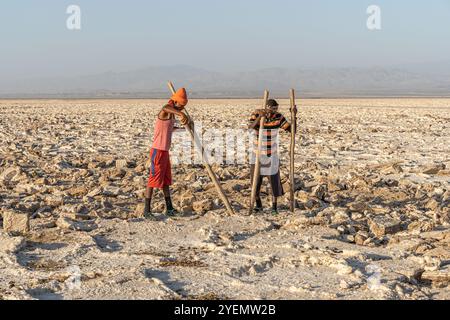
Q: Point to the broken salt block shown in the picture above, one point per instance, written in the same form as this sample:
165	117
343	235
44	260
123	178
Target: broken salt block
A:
434	169
320	191
361	237
342	268
186	203
202	206
421	226
78	191
442	275
95	192
380	226
111	191
139	211
9	174
433	204
11	244
16	222
120	164
357	206
54	201
70	224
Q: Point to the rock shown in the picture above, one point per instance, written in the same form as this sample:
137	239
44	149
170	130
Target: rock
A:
341	229
438	192
344	285
342	268
159	207
28	206
54	201
117	174
305	201
187	200
446	196
190	177
95	192
43	212
434	169
121	164
111	191
138	211
339	217
77	191
10	174
382	225
421	226
202	206
433	204
70	224
349	238
310	184
361	237
357	206
304	221
16	222
442	275
26	188
320	191
186	203
10	245
302	196
197	186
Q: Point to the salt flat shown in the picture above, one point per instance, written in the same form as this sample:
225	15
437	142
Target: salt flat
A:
372	218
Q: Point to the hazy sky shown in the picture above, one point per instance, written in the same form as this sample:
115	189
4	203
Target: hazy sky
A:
217	35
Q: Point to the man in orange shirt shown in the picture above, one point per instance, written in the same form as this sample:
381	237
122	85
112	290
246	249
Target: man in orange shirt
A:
160	175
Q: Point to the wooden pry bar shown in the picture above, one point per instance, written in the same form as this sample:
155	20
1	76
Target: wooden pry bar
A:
292	150
257	173
199	147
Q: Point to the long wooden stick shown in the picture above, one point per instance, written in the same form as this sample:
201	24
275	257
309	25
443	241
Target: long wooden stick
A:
292	149
257	173
199	147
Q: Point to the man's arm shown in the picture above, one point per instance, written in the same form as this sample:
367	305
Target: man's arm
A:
168	109
256	119
285	125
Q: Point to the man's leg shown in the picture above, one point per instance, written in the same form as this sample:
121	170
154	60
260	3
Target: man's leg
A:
258	201
274	204
258	195
277	191
148	202
152	178
166	166
168	199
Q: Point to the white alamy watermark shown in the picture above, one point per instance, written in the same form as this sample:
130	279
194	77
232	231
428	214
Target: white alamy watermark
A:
226	146
374	280
73	22
374	19
74	280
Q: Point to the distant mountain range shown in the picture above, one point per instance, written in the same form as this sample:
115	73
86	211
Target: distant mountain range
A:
418	80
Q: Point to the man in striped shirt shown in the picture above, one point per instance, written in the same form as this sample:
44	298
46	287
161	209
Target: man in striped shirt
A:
270	162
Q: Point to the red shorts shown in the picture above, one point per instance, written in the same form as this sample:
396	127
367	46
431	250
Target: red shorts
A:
160	174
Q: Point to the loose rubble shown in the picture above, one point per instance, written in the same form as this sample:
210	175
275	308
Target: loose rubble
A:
372	217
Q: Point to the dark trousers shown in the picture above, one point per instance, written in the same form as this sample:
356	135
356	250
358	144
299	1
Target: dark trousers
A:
275	183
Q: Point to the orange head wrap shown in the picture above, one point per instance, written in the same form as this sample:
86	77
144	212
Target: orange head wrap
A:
180	97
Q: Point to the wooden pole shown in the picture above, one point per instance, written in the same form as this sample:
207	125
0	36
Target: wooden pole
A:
292	149
199	147
257	173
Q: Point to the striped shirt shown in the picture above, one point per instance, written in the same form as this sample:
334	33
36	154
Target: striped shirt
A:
272	124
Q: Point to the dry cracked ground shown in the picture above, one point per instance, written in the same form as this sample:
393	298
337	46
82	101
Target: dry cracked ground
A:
372	216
